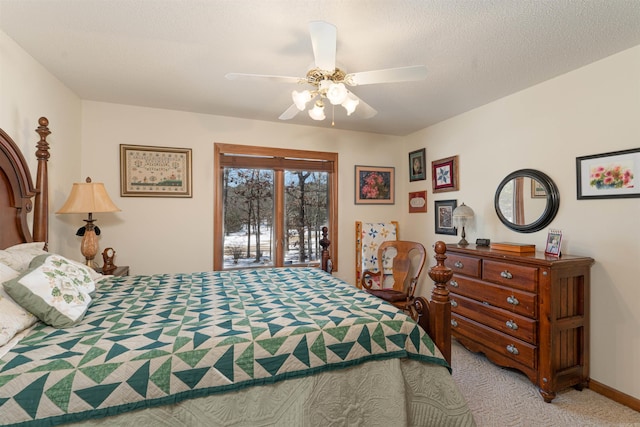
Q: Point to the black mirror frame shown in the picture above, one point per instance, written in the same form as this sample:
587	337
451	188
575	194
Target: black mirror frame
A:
553	201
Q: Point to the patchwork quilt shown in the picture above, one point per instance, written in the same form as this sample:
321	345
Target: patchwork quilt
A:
155	340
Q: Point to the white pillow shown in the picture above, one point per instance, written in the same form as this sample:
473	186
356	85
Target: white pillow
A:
20	256
13	318
55	289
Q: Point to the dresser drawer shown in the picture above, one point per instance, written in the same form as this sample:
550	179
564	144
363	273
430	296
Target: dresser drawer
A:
461	264
512	300
516	276
504	321
515	349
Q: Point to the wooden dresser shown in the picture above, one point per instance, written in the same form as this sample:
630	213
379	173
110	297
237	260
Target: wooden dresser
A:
524	311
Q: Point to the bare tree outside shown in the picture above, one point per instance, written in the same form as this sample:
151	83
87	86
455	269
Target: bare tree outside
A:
249	215
251	192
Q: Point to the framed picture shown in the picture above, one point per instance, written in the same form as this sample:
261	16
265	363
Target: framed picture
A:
375	185
417	169
444	174
609	175
537	190
444	216
418	201
554	242
154	171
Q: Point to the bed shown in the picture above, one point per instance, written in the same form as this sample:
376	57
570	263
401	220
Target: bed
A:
270	346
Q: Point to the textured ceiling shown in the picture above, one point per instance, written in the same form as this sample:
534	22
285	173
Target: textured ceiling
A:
174	54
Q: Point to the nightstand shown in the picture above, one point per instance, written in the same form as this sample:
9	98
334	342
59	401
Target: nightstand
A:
122	270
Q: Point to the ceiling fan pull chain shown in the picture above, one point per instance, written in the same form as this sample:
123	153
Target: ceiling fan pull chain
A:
333	115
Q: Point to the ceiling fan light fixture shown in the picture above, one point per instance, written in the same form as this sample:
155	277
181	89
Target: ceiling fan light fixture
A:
337	93
301	99
350	103
329	83
317	112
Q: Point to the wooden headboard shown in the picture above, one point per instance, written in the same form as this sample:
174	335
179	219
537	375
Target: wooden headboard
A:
17	190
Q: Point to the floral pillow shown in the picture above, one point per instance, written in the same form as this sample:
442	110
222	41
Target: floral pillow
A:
55	289
13	318
20	256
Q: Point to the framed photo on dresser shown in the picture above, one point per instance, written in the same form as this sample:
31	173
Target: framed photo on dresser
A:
554	243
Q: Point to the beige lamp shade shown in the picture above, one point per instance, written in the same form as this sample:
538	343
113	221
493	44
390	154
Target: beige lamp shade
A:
88	197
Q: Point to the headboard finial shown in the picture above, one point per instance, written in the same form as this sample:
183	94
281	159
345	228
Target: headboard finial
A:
41	211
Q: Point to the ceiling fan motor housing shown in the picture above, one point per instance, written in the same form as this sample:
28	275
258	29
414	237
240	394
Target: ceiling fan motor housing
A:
316	75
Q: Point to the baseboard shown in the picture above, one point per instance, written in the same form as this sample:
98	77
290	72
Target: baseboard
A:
615	395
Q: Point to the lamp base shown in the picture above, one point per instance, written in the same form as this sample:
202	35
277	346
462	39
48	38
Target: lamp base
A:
89	244
463	241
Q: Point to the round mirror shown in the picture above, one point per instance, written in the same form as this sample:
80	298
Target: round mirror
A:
527	200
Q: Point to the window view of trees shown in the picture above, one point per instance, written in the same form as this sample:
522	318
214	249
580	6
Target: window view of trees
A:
248	211
272	210
306	213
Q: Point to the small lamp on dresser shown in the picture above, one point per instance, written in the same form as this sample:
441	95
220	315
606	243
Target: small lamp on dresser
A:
463	216
88	197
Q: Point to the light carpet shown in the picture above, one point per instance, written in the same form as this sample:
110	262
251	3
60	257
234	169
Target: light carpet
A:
505	397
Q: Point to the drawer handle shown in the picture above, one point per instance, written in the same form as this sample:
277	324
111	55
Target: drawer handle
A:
454	303
454	323
458	264
453	283
513	300
506	275
512	325
512	349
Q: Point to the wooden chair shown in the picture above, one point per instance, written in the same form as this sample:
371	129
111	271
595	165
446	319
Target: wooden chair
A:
369	237
398	285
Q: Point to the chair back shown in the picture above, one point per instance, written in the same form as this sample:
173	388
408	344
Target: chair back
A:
369	237
406	259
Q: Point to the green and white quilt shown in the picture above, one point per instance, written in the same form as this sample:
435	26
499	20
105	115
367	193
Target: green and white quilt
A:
155	340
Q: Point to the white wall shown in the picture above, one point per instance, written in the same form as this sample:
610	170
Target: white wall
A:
595	109
29	92
154	235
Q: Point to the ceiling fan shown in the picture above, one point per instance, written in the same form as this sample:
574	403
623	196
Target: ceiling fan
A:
329	84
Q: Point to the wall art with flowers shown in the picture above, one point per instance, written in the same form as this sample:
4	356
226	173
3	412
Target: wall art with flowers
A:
609	175
375	185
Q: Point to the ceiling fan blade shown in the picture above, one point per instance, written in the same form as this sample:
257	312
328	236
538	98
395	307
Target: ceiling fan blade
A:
323	40
289	113
363	109
280	79
390	75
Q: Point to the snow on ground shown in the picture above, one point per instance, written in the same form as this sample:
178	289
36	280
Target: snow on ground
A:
238	241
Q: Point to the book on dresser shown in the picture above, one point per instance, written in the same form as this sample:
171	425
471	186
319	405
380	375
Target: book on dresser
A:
525	311
513	247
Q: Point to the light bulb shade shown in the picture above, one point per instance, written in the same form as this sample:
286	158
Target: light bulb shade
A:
350	103
88	197
337	93
301	99
317	112
462	214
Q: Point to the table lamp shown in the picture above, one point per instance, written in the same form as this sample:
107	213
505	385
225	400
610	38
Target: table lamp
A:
88	197
462	216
